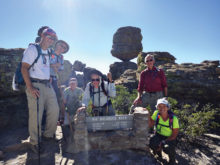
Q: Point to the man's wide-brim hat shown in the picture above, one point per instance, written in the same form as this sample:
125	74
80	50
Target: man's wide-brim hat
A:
65	43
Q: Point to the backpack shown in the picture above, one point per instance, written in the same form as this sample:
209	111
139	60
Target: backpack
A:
171	114
18	79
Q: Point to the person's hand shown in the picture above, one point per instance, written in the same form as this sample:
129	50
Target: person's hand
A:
137	101
109	76
81	109
34	92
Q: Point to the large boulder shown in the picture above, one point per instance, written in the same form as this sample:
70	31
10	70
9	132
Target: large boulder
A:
78	66
118	68
127	43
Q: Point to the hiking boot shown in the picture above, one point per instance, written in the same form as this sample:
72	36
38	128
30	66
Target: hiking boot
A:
35	149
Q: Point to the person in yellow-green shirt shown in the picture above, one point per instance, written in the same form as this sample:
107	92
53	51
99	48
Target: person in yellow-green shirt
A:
167	127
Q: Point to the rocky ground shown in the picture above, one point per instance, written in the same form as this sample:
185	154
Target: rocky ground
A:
204	153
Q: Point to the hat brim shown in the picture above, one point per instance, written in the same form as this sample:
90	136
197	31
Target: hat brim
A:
95	72
63	42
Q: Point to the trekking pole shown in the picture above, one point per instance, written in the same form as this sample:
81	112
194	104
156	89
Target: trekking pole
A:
38	130
107	96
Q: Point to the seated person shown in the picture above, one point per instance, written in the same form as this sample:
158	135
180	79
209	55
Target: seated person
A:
99	92
167	127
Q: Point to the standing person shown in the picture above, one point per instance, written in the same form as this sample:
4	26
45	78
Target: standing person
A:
167	128
40	94
152	85
57	64
99	92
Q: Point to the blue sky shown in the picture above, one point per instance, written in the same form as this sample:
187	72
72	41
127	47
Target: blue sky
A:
188	29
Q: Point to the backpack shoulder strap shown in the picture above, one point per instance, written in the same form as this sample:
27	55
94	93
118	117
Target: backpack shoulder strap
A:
157	119
38	55
171	114
90	89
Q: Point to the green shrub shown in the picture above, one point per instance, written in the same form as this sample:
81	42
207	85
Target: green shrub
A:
123	100
194	120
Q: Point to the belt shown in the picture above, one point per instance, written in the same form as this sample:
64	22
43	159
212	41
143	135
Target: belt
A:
151	92
34	80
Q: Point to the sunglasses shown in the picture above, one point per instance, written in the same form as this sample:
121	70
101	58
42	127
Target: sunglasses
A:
96	79
149	60
51	38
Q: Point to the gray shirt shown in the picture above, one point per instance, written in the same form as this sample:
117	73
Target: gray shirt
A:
110	89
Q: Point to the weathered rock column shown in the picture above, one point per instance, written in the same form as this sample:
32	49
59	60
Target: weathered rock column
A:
140	129
80	132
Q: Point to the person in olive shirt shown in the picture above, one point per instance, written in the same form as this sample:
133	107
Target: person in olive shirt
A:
72	98
167	127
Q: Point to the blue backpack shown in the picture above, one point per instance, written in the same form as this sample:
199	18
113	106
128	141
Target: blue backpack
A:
18	79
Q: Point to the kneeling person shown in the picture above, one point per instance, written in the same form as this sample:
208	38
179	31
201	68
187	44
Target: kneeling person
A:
167	127
72	98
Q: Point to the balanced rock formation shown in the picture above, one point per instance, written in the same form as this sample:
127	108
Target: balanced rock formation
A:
78	66
127	43
118	68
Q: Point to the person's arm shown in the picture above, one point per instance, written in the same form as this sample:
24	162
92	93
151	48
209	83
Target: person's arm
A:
140	89
175	132
150	122
164	83
165	92
86	96
27	80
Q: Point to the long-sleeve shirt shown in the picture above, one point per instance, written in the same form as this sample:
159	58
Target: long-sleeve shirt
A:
96	101
152	80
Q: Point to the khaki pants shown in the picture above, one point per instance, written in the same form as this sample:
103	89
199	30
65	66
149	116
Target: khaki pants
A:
148	99
47	101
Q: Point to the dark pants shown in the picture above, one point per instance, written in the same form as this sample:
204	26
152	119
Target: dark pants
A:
168	148
103	111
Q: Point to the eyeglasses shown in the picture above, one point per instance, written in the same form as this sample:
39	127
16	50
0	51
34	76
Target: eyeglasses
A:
64	47
149	60
96	79
51	38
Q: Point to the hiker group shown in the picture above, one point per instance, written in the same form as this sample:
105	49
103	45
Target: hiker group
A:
41	63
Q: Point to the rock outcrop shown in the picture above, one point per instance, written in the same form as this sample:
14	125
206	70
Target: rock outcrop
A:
127	43
78	66
128	79
118	68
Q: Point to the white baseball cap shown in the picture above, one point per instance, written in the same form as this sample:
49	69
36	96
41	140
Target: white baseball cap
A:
163	101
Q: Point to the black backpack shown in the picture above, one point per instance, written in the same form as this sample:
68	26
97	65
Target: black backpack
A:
18	79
